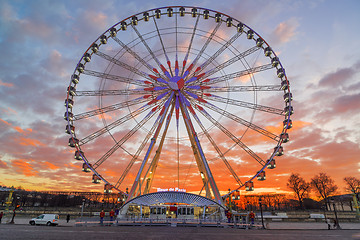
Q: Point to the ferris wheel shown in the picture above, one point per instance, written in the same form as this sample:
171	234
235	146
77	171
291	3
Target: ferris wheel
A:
178	98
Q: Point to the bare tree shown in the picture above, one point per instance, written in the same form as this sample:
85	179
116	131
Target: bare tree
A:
299	186
325	187
352	184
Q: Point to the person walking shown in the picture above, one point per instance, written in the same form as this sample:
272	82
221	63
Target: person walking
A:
252	217
67	218
102	215
111	214
1	215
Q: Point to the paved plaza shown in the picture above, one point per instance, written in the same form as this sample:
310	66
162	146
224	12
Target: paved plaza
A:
277	230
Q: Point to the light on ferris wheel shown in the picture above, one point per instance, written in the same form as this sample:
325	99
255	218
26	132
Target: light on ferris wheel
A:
250	34
73	142
279	151
284	84
69	103
68	116
286	125
267	51
113	32
69	129
261	176
170	12
284	137
86	168
78	155
103	39
193	12
217	17
95	48
249	186
272	164
206	14
75	79
182	11
146	16
158	13
87	57
96	179
229	22
134	21
288	97
259	42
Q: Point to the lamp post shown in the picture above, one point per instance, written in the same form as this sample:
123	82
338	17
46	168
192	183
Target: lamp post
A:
229	200
82	208
262	217
14	212
356	204
336	218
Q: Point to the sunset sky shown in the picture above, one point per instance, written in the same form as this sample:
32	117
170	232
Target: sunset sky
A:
42	41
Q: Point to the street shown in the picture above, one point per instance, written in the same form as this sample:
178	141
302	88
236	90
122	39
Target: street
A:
17	231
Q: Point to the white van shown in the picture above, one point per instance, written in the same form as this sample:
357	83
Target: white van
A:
45	219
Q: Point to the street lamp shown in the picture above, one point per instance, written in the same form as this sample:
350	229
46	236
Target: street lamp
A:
82	208
229	200
14	211
336	218
262	217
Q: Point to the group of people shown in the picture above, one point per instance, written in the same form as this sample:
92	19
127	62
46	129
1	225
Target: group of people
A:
251	216
112	214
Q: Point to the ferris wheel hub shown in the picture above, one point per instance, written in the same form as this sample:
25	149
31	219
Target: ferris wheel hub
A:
176	83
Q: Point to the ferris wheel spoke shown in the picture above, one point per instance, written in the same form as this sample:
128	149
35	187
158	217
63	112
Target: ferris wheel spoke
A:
224	65
239	103
123	65
206	89
146	46
118	122
220	153
135	91
150	173
110	108
119	143
208	40
198	152
138	152
189	48
134	54
135	187
234	75
236	118
218	52
163	48
230	135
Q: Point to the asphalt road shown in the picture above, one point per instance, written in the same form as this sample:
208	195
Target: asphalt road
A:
8	231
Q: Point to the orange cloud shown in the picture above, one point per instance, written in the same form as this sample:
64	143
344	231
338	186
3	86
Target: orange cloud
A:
3	164
24	168
6	84
30	142
5	122
50	166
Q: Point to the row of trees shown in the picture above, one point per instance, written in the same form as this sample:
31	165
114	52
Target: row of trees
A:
323	186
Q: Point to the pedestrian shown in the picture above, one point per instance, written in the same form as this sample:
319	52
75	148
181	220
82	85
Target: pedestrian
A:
1	215
252	217
335	223
228	215
111	214
102	215
328	222
68	218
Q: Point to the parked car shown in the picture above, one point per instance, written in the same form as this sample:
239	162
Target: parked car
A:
45	219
